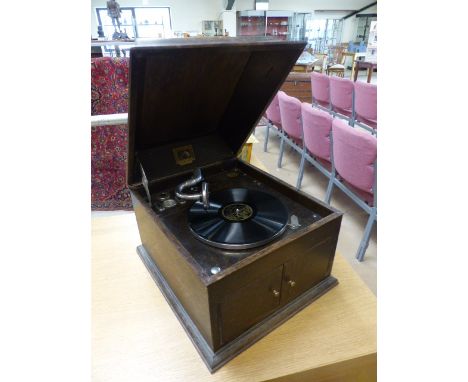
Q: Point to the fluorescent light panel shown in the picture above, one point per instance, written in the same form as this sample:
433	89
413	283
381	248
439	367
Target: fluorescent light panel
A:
261	5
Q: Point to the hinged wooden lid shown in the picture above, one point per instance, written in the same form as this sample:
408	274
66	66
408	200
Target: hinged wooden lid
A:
194	102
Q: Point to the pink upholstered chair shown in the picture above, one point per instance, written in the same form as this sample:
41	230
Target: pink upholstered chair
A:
354	171
320	90
365	105
316	125
290	109
341	97
274	119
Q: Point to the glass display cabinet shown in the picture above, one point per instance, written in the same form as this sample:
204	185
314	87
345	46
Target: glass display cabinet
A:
251	23
212	27
281	24
363	28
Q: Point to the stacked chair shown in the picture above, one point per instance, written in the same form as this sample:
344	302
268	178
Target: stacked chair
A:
273	116
321	90
341	97
365	105
290	109
354	171
323	134
353	101
317	126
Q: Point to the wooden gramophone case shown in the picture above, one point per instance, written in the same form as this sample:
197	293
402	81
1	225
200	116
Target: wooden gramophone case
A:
193	103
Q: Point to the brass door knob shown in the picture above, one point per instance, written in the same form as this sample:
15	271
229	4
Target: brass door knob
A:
291	283
276	293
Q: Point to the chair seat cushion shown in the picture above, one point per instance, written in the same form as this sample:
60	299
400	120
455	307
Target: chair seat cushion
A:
325	163
347	113
337	66
366	196
276	125
297	141
365	121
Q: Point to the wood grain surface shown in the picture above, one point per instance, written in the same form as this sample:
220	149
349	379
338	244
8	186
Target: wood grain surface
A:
136	337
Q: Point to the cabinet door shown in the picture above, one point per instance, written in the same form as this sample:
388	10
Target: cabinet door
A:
249	304
298	88
306	269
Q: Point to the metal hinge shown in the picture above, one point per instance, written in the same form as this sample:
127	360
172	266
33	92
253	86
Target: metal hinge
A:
144	181
294	222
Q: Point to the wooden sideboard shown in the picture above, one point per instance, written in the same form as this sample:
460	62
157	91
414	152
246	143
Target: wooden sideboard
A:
298	85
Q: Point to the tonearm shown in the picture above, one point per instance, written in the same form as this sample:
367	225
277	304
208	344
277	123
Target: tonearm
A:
203	196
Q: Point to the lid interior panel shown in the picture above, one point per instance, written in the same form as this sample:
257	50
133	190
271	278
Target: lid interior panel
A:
187	89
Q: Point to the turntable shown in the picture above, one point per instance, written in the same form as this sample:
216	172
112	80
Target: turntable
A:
235	251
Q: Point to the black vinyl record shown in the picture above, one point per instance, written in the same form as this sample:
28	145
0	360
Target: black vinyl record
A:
238	218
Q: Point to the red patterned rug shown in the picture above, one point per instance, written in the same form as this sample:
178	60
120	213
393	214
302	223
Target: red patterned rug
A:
108	163
109	95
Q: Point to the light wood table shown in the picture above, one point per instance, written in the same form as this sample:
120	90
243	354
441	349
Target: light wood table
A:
370	66
136	337
304	67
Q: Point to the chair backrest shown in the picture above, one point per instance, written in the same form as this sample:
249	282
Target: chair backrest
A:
365	103
273	112
320	88
341	95
322	60
109	85
336	54
317	126
354	153
345	55
290	109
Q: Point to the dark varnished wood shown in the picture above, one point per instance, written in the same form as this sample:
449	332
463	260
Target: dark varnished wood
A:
202	87
215	359
255	299
164	250
221	304
204	257
209	94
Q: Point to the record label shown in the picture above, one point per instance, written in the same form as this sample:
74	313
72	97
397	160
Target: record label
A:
237	212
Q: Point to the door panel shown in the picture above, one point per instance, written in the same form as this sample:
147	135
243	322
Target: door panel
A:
250	304
306	269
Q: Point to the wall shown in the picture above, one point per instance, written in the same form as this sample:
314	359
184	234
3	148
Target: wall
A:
186	15
305	5
310	6
350	25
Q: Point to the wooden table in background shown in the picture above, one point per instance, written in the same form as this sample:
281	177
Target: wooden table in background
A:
304	67
298	85
136	337
370	66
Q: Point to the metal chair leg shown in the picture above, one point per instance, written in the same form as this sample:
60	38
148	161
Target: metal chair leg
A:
281	152
301	170
267	134
365	240
328	194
